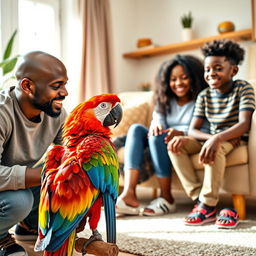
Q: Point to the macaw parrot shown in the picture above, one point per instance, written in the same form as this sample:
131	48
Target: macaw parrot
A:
80	176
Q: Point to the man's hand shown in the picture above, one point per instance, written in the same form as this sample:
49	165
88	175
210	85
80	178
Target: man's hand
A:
176	144
171	133
81	225
33	177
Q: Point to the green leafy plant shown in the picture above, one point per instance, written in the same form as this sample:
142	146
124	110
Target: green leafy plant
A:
8	63
186	20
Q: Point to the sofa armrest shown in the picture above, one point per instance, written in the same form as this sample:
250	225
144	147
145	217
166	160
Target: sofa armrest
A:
251	153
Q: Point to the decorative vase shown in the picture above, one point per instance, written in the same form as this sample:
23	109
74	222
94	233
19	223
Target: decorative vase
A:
187	34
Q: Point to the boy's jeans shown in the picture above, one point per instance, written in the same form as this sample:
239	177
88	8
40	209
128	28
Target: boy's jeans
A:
18	205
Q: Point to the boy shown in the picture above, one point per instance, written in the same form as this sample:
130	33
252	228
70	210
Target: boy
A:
228	106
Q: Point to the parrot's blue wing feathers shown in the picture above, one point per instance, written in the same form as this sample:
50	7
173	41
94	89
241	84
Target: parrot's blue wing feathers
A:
104	177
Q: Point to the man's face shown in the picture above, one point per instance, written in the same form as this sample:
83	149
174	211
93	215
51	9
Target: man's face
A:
219	72
48	96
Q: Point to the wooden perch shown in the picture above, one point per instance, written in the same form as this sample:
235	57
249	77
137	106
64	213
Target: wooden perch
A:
98	248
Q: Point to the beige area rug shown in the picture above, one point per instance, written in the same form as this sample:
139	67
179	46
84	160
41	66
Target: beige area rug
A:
167	235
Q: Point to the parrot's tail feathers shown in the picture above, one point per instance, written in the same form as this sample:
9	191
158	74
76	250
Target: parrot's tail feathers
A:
41	243
110	215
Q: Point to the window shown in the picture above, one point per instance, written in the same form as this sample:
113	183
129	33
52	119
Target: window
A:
39	26
37	22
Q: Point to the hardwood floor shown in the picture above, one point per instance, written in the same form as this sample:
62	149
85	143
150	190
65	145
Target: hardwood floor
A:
29	246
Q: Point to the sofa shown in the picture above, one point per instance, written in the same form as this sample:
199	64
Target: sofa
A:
240	175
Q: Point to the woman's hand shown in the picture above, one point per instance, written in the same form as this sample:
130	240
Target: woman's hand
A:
155	130
171	133
176	143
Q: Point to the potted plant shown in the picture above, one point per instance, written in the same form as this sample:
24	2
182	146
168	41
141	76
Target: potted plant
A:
8	63
186	21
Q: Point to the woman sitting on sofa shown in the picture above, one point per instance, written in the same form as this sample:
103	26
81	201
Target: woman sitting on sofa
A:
177	85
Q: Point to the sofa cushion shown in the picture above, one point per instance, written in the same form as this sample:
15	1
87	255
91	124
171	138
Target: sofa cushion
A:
131	114
236	157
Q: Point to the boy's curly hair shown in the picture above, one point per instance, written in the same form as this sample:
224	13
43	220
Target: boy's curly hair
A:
228	48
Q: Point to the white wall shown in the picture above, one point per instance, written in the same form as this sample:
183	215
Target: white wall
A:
160	21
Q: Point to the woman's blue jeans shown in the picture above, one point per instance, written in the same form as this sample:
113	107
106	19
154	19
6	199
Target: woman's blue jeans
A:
136	142
18	205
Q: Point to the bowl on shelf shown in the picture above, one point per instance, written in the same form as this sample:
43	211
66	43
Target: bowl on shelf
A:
143	42
226	26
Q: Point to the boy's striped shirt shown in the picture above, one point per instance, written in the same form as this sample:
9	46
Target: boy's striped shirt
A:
222	110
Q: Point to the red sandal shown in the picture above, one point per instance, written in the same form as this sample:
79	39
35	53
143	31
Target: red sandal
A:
200	215
227	218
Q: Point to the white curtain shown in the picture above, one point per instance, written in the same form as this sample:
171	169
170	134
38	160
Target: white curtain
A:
96	68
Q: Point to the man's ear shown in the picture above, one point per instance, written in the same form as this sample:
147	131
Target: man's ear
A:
235	70
27	86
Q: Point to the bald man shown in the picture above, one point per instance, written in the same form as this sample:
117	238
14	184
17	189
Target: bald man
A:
31	119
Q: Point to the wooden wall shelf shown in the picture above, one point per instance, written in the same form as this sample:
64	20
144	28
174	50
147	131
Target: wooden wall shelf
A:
242	35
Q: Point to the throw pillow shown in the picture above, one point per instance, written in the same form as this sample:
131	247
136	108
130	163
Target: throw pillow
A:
131	114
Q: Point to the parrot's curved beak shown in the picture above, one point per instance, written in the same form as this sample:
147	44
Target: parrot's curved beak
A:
114	117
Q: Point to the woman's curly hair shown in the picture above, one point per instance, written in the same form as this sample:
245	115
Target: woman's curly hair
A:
193	68
227	48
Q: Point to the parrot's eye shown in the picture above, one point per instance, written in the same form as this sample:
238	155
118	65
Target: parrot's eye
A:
103	105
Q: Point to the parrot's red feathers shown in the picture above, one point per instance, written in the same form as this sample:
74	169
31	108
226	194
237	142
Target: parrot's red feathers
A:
54	156
94	213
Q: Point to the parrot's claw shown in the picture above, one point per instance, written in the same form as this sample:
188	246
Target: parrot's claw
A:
96	236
